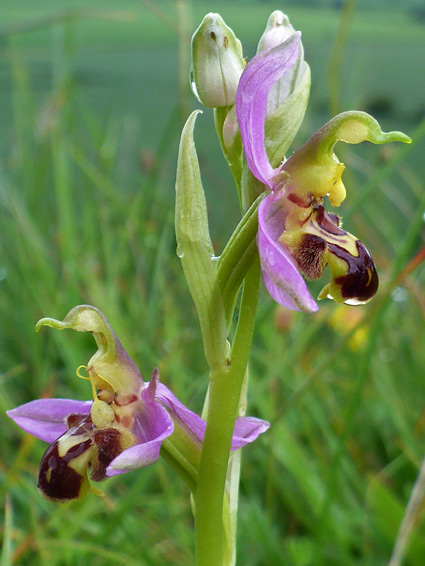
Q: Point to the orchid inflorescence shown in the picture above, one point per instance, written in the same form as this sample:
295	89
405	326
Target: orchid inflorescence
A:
285	229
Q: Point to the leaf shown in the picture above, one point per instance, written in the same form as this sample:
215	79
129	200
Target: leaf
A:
195	249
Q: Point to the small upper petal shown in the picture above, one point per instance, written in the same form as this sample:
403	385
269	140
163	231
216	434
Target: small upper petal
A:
149	393
45	418
151	422
280	273
258	77
190	420
246	429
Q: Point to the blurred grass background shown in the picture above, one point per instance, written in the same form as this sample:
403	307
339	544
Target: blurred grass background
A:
92	98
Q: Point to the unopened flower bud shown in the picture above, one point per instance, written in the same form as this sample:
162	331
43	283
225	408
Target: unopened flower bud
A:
217	63
278	29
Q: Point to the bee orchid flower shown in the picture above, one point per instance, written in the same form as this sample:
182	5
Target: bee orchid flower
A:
121	429
296	236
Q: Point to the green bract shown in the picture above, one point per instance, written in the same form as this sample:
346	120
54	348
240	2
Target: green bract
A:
195	249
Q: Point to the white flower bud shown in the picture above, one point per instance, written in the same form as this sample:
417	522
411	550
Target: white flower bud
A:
278	29
217	63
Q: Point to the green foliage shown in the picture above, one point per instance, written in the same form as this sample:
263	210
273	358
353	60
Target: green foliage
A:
90	124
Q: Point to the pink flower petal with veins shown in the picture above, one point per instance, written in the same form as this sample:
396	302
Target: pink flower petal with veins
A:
260	74
280	273
45	418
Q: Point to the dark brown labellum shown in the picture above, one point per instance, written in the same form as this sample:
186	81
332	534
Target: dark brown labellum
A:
60	478
108	444
361	280
64	465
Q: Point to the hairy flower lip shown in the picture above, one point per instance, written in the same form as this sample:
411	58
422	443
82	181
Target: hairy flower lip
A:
359	285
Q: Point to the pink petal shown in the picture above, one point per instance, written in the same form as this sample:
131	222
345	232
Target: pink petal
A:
246	429
45	418
264	70
145	453
151	425
151	422
280	273
193	422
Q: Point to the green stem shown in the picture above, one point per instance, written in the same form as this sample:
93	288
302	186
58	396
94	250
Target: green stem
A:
231	499
224	397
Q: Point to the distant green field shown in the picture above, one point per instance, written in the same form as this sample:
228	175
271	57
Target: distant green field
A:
125	59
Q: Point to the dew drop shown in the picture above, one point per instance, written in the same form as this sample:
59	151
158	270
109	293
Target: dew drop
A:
180	252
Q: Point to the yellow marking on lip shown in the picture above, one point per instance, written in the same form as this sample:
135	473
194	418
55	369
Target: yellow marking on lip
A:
369	273
48	474
68	441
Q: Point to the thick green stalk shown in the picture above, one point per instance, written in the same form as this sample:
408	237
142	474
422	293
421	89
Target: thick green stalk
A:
224	398
231	499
